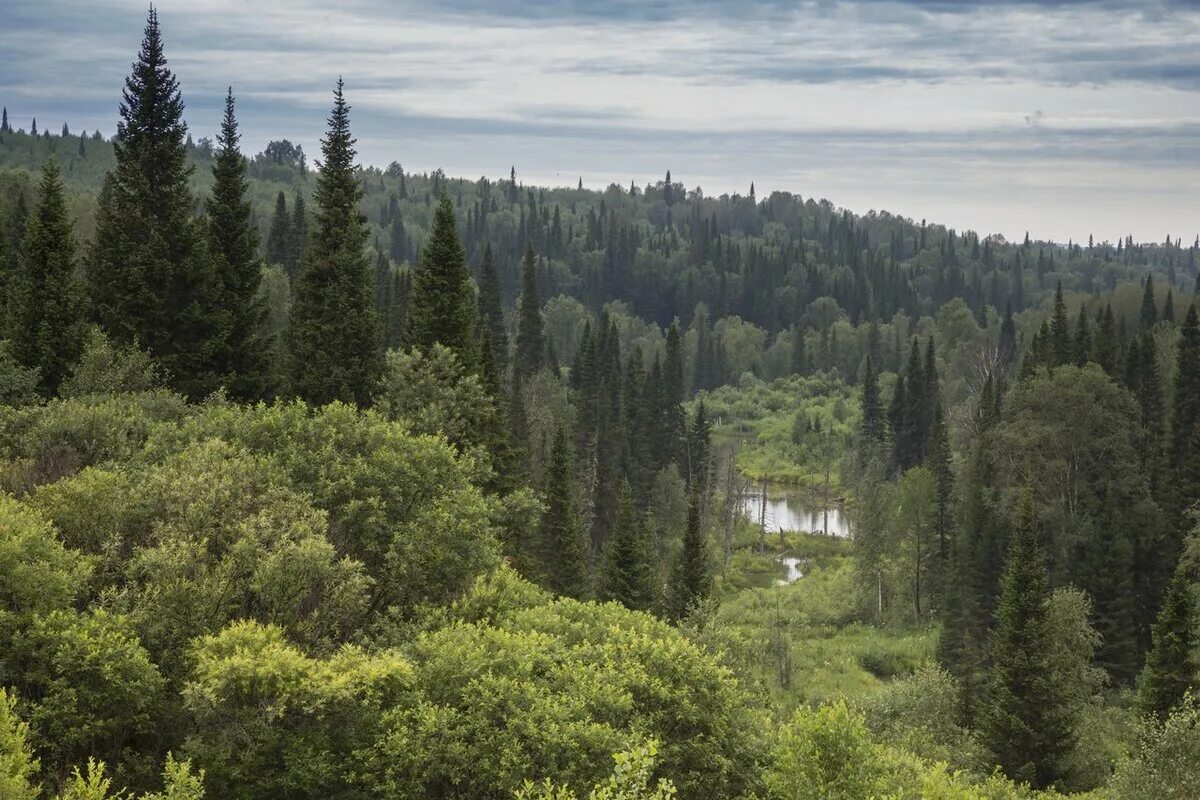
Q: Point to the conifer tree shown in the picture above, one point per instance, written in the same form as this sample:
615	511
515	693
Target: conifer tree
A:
563	543
629	574
1060	332
799	356
151	279
1185	421
1149	312
299	230
45	303
1008	336
443	303
335	344
280	238
531	343
1025	724
699	451
691	576
1083	338
1169	307
1105	347
1171	665
491	312
872	428
4	127
234	243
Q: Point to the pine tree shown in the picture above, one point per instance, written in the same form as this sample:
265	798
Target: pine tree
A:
335	344
1025	724
45	303
280	239
563	545
491	312
531	343
1171	665
691	576
234	242
629	574
151	279
443	304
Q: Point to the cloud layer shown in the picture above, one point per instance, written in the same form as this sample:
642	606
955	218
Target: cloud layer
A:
1064	118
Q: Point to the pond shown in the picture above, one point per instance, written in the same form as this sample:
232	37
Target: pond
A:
789	510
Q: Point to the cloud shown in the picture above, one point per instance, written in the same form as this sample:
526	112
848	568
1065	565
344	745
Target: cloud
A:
871	98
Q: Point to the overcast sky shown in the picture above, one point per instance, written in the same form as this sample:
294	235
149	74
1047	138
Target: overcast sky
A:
1063	118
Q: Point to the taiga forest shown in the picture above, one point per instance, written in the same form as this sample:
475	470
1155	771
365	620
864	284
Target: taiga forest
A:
328	479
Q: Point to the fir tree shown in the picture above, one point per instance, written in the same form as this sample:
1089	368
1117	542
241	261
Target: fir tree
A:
1185	421
443	304
491	312
1025	724
335	344
1149	312
234	243
1171	665
280	238
151	278
1105	347
629	574
531	343
872	428
299	231
4	126
691	576
1008	336
44	301
1060	332
1082	341
563	545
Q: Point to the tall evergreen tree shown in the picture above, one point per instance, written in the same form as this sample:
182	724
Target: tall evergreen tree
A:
280	239
1060	332
1185	422
299	231
335	343
629	576
234	243
151	278
563	543
443	302
691	576
531	343
1149	312
1171	665
491	312
1025	724
873	426
45	303
1105	347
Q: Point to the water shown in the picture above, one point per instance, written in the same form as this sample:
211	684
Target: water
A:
793	564
793	513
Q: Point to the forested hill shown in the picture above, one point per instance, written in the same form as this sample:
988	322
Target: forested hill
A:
661	249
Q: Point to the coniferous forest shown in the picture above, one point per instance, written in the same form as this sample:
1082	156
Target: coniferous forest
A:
321	480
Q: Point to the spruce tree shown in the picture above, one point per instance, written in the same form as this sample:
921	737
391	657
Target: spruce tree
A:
299	231
1171	665
443	302
45	319
628	576
691	576
280	238
335	344
151	279
1149	305
1185	422
491	312
531	343
1105	347
1060	332
1025	724
234	242
872	427
563	544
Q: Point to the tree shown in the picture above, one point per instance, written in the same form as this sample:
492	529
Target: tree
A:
1149	313
691	577
1060	332
1024	724
563	545
336	348
243	360
443	304
491	312
1171	665
873	426
629	574
151	279
280	239
18	767
531	343
45	321
1185	420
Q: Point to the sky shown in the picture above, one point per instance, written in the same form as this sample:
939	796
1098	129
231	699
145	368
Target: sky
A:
1064	118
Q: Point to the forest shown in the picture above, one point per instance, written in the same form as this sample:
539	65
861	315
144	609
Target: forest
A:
322	480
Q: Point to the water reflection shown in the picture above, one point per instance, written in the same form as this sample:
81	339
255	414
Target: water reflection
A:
792	513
